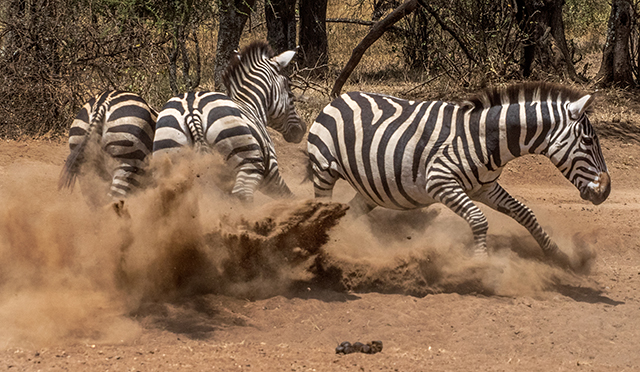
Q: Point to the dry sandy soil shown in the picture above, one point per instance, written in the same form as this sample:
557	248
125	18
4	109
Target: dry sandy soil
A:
192	281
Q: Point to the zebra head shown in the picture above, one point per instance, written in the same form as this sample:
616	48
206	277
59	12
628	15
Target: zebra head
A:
577	154
254	78
281	113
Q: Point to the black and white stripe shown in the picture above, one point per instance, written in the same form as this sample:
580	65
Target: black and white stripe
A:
235	126
407	154
121	125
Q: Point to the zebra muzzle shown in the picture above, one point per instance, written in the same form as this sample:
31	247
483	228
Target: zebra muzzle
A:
597	191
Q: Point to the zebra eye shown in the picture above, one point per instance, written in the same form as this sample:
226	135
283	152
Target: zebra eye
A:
588	141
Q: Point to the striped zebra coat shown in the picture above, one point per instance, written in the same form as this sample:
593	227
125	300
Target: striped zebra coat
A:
235	126
121	125
407	154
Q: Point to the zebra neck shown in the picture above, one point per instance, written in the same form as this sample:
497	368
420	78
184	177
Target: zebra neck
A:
254	109
511	133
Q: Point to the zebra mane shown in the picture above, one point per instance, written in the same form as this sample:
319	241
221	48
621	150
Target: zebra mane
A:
257	50
494	96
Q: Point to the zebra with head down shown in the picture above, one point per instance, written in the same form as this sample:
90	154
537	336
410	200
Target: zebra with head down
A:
235	126
407	154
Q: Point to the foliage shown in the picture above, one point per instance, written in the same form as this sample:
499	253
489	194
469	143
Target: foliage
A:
485	28
584	17
57	53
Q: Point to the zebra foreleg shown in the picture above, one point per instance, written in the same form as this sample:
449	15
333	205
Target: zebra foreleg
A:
499	199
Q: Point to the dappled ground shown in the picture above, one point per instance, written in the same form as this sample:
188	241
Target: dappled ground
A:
193	281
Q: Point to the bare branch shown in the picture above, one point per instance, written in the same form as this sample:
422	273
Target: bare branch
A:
374	34
352	21
448	29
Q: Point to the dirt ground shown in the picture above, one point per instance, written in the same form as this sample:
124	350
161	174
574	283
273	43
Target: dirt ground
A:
192	281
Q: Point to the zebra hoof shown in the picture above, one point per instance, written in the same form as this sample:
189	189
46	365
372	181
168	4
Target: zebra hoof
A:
559	258
120	209
480	254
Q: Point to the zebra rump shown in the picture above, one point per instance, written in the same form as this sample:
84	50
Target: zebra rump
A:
122	125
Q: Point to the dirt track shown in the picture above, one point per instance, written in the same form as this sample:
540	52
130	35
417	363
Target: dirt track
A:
399	278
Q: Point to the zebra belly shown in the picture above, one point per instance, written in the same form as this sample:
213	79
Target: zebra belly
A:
403	193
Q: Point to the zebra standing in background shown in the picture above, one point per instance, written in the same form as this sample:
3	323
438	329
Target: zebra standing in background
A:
405	154
122	125
235	126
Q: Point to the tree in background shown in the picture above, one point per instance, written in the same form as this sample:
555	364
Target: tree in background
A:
181	19
232	16
314	51
281	24
539	20
56	53
616	60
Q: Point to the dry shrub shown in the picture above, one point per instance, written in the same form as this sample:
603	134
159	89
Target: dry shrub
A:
58	53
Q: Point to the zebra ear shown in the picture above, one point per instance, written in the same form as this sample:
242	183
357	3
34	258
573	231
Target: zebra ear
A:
578	107
283	59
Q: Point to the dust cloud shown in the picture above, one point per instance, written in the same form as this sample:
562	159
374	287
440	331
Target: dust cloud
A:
75	272
429	251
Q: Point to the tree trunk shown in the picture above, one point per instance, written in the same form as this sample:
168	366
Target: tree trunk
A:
616	60
538	19
281	24
233	16
313	35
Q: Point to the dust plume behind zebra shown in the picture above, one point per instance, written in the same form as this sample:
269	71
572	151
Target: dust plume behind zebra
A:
111	136
235	125
403	154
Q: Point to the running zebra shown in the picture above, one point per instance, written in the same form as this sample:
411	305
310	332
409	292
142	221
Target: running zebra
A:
235	126
121	125
406	154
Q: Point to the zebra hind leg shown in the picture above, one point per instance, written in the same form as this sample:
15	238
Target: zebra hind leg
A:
454	197
323	180
276	187
246	185
126	179
359	206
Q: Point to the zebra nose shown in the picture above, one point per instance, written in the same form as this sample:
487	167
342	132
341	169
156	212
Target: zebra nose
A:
598	192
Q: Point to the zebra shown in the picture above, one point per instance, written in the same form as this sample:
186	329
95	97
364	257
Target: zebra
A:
235	126
121	125
403	154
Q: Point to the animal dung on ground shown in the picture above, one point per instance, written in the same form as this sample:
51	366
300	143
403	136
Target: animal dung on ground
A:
358	347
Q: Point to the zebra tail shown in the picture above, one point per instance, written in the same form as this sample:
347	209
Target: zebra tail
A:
194	123
75	159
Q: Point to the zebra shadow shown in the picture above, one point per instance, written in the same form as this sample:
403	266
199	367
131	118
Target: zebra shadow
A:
196	317
516	267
